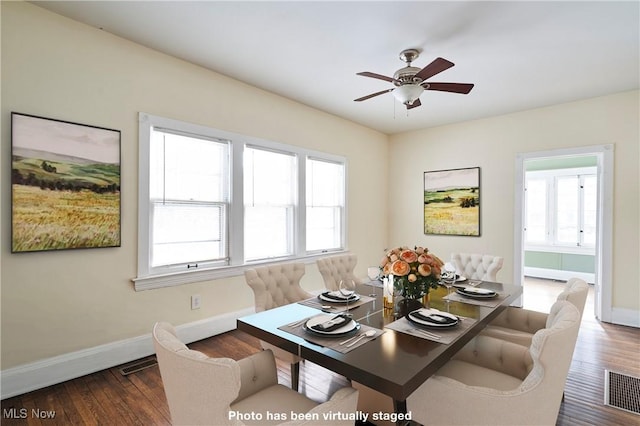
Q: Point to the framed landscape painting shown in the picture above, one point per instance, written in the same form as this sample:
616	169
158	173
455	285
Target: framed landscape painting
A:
452	202
65	185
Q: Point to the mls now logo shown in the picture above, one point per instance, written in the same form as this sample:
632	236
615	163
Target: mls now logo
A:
23	413
14	413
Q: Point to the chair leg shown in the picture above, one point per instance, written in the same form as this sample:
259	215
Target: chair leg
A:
295	375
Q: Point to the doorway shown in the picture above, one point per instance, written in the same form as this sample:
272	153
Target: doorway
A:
602	158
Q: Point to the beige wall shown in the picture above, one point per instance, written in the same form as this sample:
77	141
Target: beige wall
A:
492	144
59	302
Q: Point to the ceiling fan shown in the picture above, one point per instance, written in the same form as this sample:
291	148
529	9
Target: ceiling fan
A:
410	81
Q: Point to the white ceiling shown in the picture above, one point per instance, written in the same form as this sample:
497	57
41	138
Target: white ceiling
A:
519	55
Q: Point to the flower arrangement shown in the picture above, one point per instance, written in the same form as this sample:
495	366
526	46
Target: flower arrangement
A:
414	271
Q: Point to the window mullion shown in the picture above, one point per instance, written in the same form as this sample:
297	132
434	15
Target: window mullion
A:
301	223
581	210
551	215
236	206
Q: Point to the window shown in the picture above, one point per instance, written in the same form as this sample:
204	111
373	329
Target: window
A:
211	202
561	208
269	203
188	199
325	204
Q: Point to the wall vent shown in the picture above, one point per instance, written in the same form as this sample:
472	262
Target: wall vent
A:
622	391
138	365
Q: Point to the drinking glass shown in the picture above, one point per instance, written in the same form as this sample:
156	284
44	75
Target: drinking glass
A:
373	272
347	288
448	278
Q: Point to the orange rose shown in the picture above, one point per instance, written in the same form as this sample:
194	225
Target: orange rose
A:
423	258
409	256
436	271
424	270
400	268
386	270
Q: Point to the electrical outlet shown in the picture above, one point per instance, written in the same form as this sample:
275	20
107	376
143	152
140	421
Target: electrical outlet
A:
195	301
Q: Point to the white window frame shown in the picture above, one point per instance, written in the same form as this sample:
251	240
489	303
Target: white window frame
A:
147	279
341	208
551	244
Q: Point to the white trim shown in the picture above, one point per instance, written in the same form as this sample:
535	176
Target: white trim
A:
518	226
604	246
50	371
627	317
556	274
581	250
148	279
187	277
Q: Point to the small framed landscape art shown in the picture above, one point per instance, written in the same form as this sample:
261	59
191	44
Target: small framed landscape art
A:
452	202
65	185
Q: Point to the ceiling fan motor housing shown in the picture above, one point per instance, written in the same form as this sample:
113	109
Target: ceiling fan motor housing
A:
406	75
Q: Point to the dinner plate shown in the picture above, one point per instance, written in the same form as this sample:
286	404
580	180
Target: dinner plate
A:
349	328
336	297
476	293
433	314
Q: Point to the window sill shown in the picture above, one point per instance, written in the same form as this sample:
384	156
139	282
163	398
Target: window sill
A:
187	277
587	251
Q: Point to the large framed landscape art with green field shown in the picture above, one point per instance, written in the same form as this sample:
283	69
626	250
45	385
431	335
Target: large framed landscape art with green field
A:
65	185
452	202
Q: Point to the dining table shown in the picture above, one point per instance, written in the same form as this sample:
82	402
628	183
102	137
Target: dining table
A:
396	356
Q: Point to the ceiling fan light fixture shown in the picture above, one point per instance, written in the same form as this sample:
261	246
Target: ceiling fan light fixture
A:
407	93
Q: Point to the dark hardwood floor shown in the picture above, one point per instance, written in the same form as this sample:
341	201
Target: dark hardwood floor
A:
109	398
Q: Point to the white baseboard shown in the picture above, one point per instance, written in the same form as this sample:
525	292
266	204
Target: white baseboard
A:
627	317
50	371
555	274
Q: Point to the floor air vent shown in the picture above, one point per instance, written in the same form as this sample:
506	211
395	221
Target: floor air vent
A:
622	391
138	365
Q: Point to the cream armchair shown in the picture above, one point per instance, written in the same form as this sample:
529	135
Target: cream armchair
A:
335	268
518	325
477	266
220	391
273	286
494	382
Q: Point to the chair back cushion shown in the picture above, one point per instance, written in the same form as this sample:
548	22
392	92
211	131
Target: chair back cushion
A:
199	389
477	266
276	285
575	291
335	268
552	351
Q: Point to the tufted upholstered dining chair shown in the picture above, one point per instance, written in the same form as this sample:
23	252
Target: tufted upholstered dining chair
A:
335	268
273	286
494	382
477	266
518	325
213	391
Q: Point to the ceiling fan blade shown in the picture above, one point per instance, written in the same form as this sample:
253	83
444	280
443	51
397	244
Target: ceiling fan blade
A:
437	66
374	75
463	88
364	98
415	104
